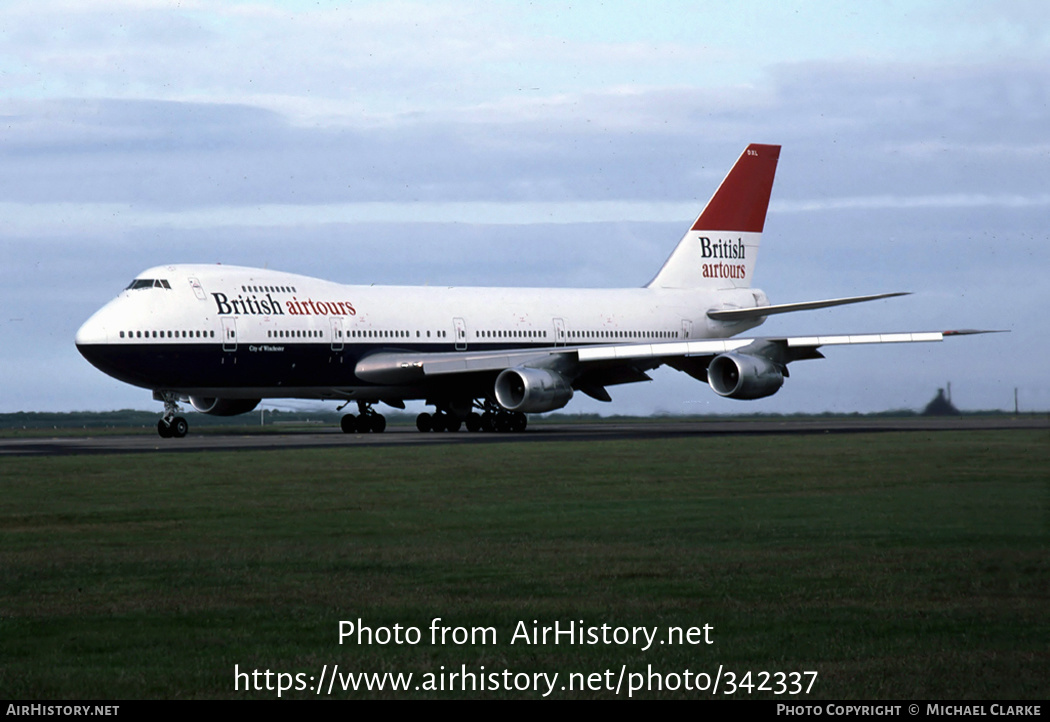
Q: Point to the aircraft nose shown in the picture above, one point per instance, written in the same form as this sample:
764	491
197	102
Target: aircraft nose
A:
93	338
92	333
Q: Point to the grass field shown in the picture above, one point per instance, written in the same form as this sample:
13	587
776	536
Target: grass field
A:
910	565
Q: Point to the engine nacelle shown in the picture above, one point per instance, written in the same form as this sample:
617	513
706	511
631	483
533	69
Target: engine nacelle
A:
532	390
223	407
740	376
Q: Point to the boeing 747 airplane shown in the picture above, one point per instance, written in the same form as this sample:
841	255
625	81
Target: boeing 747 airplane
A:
223	338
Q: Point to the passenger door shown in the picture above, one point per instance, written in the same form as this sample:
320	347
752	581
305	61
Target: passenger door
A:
337	333
460	329
229	333
559	332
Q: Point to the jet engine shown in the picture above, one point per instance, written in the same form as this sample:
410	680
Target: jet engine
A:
532	390
740	376
223	407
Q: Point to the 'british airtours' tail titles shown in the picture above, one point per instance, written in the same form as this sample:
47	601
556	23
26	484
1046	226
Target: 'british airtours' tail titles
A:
721	249
253	306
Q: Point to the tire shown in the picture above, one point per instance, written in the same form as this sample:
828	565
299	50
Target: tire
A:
164	429
179	427
348	424
378	424
424	422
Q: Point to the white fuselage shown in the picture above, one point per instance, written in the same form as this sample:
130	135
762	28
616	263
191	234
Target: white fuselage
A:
202	329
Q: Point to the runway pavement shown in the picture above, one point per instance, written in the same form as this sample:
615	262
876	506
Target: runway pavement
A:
219	440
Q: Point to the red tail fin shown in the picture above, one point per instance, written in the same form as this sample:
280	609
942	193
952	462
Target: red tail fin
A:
741	201
720	249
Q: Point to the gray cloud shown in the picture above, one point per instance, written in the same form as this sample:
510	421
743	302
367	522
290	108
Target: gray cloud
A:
848	131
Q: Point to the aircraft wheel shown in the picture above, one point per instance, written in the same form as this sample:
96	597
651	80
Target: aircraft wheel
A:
438	422
424	422
363	424
378	424
488	421
502	422
348	424
179	427
518	421
164	429
452	423
474	422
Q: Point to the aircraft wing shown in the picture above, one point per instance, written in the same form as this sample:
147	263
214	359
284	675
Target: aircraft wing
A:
797	346
397	367
400	367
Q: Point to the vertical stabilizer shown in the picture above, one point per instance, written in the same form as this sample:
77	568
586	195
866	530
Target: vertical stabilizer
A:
720	249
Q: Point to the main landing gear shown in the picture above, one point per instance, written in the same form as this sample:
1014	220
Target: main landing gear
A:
171	426
492	418
368	421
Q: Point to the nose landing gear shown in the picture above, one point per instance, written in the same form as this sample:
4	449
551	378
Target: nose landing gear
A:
170	425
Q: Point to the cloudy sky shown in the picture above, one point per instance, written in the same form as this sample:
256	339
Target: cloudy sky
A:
538	144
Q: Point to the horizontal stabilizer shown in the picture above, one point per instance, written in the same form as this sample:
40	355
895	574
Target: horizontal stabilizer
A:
743	314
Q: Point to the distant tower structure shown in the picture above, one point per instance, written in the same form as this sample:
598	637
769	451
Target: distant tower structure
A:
940	406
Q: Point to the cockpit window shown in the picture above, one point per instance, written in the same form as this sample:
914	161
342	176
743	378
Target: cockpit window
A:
147	283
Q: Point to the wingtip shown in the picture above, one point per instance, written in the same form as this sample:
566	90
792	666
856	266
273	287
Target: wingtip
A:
973	331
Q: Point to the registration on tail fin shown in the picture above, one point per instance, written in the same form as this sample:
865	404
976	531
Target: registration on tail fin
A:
720	248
